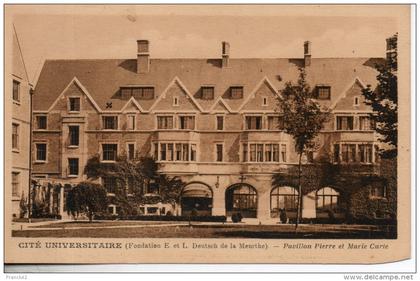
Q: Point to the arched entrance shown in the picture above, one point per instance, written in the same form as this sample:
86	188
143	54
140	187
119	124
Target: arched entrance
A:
197	197
241	198
283	198
328	200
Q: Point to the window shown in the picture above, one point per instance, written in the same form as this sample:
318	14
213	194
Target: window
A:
260	152
74	135
131	122
185	152
365	153
348	153
276	154
345	123
378	191
110	122
165	122
175	152
323	92
175	101
219	123
73	166
264	101
365	123
268	152
336	153
170	155
163	151
15	183
109	152
74	104
253	122
110	184
219	152
327	199
131	152
41	122
283	197
16	91
283	153
244	199
193	152
252	152
356	101
275	123
15	136
140	93
178	148
236	92
41	152
187	122
207	93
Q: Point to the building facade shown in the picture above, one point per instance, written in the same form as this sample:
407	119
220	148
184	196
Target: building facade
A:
212	122
18	98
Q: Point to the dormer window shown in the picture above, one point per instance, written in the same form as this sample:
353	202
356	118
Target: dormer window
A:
323	92
139	93
74	104
207	93
236	92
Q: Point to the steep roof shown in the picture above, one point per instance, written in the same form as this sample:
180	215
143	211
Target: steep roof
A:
103	77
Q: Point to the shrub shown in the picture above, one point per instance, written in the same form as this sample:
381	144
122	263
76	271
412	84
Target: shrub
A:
194	212
236	217
331	216
283	216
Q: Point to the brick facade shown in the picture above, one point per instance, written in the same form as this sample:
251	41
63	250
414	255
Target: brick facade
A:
236	182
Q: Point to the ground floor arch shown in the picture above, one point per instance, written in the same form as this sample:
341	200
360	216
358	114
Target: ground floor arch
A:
241	198
284	198
197	197
329	202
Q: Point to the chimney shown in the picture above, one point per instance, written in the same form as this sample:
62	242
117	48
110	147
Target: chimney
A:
225	54
143	61
307	53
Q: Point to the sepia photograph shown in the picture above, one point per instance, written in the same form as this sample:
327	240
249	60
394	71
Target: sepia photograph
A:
276	128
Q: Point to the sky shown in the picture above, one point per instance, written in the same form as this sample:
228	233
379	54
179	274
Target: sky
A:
68	32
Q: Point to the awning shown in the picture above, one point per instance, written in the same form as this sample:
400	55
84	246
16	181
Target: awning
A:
197	190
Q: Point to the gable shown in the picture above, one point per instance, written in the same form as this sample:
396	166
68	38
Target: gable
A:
347	101
255	101
220	106
131	106
73	90
166	101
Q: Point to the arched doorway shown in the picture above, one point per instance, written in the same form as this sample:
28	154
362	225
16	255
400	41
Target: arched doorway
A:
284	197
328	200
241	198
197	196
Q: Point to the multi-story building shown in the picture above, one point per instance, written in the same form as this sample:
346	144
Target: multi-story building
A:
213	122
18	101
